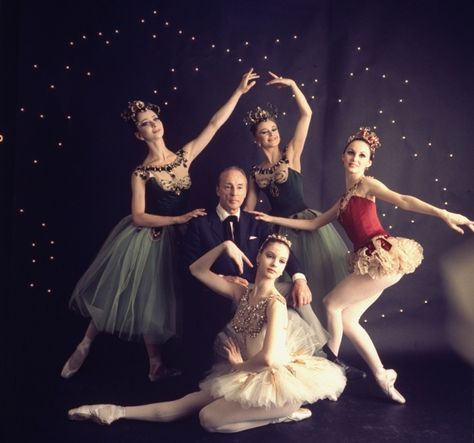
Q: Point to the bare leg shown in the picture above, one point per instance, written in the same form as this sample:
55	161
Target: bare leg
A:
169	410
228	416
77	358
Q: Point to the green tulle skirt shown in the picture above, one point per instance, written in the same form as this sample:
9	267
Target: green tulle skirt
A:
323	255
130	289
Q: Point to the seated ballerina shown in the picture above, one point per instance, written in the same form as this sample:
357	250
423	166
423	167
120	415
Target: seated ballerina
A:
269	371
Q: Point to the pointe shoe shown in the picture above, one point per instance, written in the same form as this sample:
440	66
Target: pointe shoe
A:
386	381
158	371
161	372
81	353
298	415
102	414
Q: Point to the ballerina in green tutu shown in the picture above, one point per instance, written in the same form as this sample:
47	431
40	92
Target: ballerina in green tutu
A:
131	287
322	253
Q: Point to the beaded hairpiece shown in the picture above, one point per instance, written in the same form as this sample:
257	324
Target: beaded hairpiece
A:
367	135
258	115
136	106
276	237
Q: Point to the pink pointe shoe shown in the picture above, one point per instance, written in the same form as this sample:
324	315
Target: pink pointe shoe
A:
158	371
76	360
386	381
298	415
102	414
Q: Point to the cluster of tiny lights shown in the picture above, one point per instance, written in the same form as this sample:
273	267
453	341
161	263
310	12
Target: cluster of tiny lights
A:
235	56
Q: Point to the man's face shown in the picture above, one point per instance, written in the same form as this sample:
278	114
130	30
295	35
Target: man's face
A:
232	190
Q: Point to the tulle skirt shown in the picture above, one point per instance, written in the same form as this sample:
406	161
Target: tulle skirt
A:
300	379
386	255
323	255
130	289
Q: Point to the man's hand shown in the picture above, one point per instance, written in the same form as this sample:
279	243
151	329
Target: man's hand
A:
300	293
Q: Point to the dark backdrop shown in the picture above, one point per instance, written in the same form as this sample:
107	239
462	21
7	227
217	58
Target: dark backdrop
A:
405	67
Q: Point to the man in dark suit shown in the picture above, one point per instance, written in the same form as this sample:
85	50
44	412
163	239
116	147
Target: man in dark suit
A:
208	313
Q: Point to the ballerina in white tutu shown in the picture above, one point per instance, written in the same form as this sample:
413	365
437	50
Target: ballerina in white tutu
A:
269	371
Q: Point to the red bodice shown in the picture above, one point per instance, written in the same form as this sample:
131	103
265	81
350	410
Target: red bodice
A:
360	221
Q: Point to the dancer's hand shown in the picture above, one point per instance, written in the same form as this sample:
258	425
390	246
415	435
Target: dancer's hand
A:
261	216
248	81
454	220
233	352
237	280
180	219
279	81
300	293
237	256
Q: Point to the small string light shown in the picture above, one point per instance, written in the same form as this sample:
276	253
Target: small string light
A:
404	137
116	31
193	38
155	91
35	162
43	225
351	74
436	179
412	221
380	111
339	100
406	82
239	60
42	115
21	211
49	291
22	109
400	100
155	12
384	76
107	42
401	310
142	20
180	32
175	88
213	46
68	117
196	69
33	260
366	68
84	37
277	40
32	285
60	144
451	155
33	245
154	35
99	34
415	154
227	50
167	23
429	144
382	315
265	57
67	67
172	69
393	121
426	302
71	43
295	37
51	242
35	66
445	203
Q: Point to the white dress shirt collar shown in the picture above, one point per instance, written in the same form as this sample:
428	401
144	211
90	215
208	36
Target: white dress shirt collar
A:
223	214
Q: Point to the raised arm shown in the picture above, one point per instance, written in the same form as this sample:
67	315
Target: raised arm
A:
252	195
195	147
296	144
305	225
201	269
374	187
277	319
142	218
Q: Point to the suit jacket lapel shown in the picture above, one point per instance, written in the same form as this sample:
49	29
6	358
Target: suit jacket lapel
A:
217	228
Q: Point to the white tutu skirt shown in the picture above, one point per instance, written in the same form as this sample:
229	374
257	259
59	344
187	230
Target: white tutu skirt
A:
301	379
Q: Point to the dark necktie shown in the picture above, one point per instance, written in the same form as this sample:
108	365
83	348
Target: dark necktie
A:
231	228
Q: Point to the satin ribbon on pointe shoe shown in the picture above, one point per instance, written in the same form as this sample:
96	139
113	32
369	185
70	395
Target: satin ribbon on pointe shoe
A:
102	414
386	381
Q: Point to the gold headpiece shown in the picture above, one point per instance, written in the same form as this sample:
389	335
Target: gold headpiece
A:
257	115
367	135
136	106
276	237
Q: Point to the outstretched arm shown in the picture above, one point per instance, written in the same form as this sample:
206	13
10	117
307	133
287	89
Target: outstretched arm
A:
374	187
144	219
277	319
196	146
305	225
201	269
296	144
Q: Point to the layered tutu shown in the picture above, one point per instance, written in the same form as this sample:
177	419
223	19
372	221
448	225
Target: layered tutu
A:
299	378
130	287
323	255
386	255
